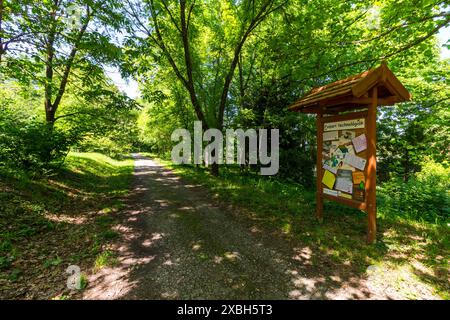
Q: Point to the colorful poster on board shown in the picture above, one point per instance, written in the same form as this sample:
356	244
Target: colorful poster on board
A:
355	161
343	159
328	179
360	143
330	192
358	177
345	195
331	135
344	181
359	193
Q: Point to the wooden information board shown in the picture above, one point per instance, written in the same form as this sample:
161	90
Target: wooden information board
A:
344	159
346	137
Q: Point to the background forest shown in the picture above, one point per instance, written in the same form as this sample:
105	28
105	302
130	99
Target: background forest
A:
229	64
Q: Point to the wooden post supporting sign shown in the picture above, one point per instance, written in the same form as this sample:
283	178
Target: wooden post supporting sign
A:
371	171
319	197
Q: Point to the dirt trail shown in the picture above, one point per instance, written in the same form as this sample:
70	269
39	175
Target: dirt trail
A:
178	244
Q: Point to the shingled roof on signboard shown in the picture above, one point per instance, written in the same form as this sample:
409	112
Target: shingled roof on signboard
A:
353	92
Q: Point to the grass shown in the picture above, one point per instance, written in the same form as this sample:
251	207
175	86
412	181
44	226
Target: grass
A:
50	223
408	249
105	259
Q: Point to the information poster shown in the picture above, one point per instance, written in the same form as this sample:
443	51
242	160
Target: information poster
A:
344	159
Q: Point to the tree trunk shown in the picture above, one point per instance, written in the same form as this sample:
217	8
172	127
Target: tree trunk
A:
406	167
215	169
2	51
49	113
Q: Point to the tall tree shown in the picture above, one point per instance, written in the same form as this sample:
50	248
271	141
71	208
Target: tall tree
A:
301	43
202	42
59	37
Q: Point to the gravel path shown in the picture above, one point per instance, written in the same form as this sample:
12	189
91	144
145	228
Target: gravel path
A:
179	244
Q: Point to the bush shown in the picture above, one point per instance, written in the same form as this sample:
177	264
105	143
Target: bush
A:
425	196
105	145
30	144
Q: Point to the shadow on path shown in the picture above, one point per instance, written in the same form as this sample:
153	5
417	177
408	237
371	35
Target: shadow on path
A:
177	243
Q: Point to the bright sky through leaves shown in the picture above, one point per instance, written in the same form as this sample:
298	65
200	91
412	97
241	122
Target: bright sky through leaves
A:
444	36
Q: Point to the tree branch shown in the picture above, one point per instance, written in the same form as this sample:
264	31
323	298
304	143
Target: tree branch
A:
171	16
189	65
160	42
70	61
263	12
389	55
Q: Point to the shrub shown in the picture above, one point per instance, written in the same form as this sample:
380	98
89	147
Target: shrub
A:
425	196
105	145
30	144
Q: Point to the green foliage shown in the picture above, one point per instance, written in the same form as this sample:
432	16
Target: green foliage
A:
26	142
159	118
90	124
339	241
410	132
83	282
232	64
52	262
53	49
301	44
105	259
425	196
266	108
30	144
6	262
24	202
116	144
35	216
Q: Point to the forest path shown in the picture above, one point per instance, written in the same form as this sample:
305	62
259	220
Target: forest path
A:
177	243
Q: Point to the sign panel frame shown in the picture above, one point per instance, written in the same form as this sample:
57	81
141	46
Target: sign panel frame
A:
368	195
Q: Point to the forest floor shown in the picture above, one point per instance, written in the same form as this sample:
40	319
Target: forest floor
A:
181	240
176	232
51	222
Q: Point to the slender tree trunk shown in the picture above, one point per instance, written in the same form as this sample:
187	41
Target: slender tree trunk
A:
52	107
2	49
406	167
215	169
48	89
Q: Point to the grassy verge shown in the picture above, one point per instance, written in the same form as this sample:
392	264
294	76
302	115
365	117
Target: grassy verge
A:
66	219
414	253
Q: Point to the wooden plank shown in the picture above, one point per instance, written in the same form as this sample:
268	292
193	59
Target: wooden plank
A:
333	87
307	101
400	89
319	171
348	202
388	101
338	110
371	168
347	116
367	83
336	83
351	103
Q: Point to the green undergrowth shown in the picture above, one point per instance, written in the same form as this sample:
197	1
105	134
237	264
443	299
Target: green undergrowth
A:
51	222
289	209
